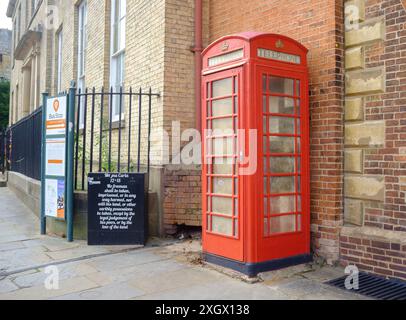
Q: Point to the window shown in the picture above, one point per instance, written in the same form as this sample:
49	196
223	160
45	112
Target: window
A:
59	63
282	155
82	46
14	33
118	20
33	6
19	23
27	15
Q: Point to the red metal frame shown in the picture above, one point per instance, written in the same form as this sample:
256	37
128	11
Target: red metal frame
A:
254	244
220	244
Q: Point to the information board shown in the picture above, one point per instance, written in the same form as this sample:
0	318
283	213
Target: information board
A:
55	157
56	116
117	212
55	198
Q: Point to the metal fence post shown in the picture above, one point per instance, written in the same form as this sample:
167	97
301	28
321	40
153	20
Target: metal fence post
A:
70	140
43	146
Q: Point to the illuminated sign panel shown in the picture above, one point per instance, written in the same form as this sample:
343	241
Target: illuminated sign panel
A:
280	56
227	57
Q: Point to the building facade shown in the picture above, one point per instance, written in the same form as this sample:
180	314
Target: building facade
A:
357	106
5	55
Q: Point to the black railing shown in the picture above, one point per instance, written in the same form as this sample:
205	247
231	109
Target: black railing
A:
101	145
112	133
23	146
2	150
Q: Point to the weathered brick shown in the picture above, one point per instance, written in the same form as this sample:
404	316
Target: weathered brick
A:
364	187
365	81
381	245
354	58
370	133
353	161
354	109
369	31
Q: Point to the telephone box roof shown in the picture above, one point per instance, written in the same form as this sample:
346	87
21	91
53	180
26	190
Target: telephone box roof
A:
253	35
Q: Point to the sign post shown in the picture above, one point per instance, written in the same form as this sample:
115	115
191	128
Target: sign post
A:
56	195
117	212
69	162
43	134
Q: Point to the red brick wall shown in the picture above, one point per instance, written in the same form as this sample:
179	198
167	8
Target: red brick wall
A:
390	106
182	197
384	258
318	25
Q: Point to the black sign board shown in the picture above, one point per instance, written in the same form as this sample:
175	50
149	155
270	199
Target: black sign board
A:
117	212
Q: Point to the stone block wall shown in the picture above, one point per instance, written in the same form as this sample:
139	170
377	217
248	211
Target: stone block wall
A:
375	132
38	56
5	53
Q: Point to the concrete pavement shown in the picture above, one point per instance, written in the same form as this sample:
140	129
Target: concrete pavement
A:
165	269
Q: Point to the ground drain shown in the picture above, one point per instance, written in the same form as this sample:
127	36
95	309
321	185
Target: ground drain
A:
375	287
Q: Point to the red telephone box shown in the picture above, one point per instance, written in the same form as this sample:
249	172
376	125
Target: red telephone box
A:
255	120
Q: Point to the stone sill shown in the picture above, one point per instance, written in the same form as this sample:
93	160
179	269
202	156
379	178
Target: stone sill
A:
374	234
115	125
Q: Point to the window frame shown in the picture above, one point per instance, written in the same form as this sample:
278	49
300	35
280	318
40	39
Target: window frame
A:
81	56
19	23
59	61
117	54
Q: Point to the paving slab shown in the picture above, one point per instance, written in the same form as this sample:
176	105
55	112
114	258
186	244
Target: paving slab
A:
66	271
52	244
172	280
101	279
224	289
124	260
116	291
7	286
135	272
166	269
41	293
8	246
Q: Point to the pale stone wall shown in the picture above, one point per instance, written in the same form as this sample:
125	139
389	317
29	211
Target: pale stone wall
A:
361	135
145	68
5	52
179	66
68	18
158	55
5	69
39	58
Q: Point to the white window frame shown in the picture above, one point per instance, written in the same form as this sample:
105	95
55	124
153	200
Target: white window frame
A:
19	23
82	48
117	54
34	5
59	64
15	33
